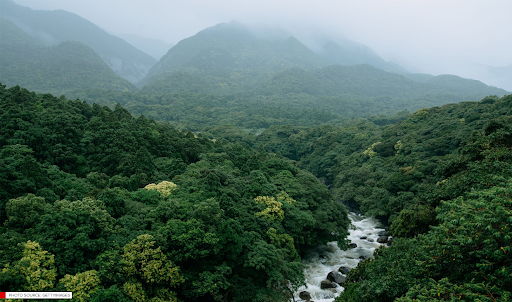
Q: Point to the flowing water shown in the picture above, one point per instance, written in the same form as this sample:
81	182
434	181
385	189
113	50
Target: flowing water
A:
363	232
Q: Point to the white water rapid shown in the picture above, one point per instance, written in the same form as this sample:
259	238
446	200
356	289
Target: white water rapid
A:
364	232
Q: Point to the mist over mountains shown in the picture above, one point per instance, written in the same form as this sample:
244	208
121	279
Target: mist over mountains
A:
228	58
58	69
234	46
54	27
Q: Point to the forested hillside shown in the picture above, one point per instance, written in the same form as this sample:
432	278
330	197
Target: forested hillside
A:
54	27
231	54
117	208
465	255
333	94
228	74
441	178
59	69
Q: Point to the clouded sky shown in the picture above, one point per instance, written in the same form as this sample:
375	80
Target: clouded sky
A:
431	36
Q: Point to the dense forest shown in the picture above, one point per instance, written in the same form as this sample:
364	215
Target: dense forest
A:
441	178
98	202
116	208
330	95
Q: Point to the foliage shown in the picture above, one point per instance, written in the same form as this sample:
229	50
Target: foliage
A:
165	187
466	256
133	209
35	271
398	177
82	284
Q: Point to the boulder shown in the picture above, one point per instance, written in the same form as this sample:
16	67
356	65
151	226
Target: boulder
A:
383	233
382	239
344	269
327	284
370	240
363	237
304	295
336	277
352	245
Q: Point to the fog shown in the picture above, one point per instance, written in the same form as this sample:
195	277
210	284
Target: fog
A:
461	37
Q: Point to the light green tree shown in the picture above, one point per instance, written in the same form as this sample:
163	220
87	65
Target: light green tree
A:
273	210
82	284
165	188
36	269
148	272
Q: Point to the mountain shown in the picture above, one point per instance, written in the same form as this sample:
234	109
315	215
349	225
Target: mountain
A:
337	88
369	81
329	95
58	69
338	80
234	55
153	47
13	36
54	27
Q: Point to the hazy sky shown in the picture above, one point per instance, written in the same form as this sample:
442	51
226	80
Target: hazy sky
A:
430	36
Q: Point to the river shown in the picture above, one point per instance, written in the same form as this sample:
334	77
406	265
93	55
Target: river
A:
364	232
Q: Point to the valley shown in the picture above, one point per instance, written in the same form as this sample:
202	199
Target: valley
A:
223	170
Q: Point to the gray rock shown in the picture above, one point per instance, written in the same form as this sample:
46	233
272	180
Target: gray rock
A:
363	237
383	233
382	239
304	295
352	245
344	269
336	277
370	240
327	284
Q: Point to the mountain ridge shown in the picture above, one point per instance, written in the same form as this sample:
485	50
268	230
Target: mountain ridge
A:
58	69
53	27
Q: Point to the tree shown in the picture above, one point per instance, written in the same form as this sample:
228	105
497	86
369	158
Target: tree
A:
35	271
25	212
83	285
20	173
148	272
165	188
